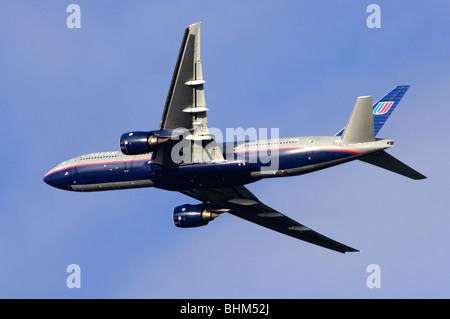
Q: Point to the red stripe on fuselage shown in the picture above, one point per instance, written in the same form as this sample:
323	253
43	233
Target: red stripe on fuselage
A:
271	149
100	163
340	150
300	148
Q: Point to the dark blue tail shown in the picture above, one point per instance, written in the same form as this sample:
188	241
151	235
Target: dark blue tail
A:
384	107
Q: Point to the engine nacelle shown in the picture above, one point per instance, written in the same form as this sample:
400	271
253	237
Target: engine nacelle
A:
135	143
192	216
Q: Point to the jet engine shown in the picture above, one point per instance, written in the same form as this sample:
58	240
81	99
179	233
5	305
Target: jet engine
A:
192	216
135	143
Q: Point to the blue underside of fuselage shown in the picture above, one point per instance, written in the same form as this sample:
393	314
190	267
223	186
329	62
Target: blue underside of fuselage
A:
189	176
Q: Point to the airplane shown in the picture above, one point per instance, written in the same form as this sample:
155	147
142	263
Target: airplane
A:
183	155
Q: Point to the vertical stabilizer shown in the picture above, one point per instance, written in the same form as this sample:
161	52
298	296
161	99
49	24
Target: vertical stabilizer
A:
384	107
360	126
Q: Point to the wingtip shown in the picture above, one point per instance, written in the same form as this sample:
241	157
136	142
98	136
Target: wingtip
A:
421	177
349	250
196	24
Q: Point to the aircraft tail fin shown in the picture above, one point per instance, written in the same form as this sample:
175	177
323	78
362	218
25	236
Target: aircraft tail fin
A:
386	161
384	108
360	126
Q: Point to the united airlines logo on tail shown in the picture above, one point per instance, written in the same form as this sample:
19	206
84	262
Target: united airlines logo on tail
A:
382	108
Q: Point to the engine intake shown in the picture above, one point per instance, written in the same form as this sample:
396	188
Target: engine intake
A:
192	216
135	143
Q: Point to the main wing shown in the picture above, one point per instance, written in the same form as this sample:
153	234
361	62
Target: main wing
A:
185	107
239	201
186	88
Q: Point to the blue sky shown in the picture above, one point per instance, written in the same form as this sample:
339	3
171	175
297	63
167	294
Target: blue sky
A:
294	65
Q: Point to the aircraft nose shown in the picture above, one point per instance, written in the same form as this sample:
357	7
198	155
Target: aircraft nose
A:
48	179
57	179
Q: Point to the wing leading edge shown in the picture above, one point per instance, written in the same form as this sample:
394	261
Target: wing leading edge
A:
242	203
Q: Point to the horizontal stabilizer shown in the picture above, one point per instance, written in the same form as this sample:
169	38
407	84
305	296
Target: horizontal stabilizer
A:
386	161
